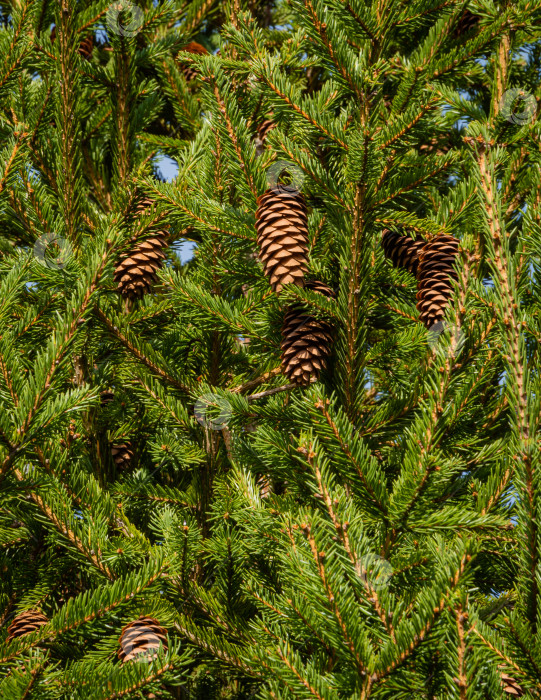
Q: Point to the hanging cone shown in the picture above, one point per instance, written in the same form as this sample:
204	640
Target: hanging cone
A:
265	486
511	687
142	638
434	276
190	72
467	23
402	251
85	47
282	235
306	341
136	273
122	455
25	623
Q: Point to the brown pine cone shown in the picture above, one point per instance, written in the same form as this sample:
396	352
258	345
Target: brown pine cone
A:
401	250
434	276
86	47
264	128
25	623
306	341
106	397
190	72
142	638
122	455
511	687
136	273
467	23
282	235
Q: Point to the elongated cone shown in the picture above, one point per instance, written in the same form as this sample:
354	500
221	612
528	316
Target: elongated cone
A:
142	638
25	623
306	341
190	72
136	273
282	235
401	250
434	278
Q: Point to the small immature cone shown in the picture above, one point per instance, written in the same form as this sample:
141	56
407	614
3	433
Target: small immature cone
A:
282	235
25	623
191	72
306	341
434	278
401	250
136	273
142	638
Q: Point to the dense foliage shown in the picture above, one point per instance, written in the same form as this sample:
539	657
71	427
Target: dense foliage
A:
371	535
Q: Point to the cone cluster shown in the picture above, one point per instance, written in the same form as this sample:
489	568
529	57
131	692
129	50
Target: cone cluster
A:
282	235
25	623
306	341
433	265
122	455
142	638
190	72
434	278
136	273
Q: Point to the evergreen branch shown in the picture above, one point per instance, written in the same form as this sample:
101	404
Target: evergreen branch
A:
270	392
138	354
252	383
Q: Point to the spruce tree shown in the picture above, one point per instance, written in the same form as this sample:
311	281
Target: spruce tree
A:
302	464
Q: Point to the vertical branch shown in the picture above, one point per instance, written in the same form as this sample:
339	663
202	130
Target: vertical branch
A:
462	678
123	98
69	158
501	73
517	386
